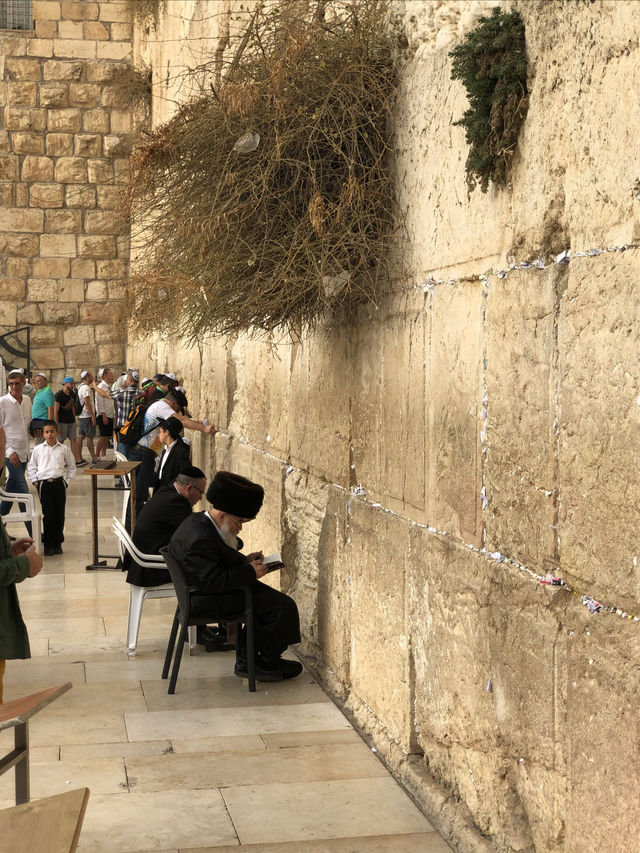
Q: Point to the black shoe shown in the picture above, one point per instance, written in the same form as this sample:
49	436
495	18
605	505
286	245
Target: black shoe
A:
48	550
81	463
205	635
219	647
288	668
262	674
57	549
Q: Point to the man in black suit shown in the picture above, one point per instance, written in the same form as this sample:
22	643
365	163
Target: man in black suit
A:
208	549
176	456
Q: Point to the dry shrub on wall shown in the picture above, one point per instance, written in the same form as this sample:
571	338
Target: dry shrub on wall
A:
267	201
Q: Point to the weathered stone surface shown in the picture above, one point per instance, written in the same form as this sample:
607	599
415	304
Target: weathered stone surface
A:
96	291
47	357
94	312
110	197
71	170
65	121
105	222
63	314
78	195
104	332
18	267
22	69
42	290
116	289
111	269
20	219
520	479
47	10
81	335
60	144
22	94
117	146
63	221
25	118
81	268
82	355
39	47
101	246
57	246
28	143
51	267
96	30
96	121
37	169
121	31
111	353
84	95
12	288
70	30
49	335
9	166
105	71
114	50
74	10
71	290
116	10
46	29
21	245
9	313
30	314
74	48
59	70
100	171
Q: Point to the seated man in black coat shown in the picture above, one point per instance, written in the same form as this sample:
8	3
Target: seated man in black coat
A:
176	455
159	518
208	549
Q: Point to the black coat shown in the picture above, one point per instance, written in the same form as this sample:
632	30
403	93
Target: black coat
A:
159	518
179	459
207	561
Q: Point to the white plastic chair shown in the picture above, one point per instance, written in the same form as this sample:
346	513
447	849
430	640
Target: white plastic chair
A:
30	513
126	478
137	594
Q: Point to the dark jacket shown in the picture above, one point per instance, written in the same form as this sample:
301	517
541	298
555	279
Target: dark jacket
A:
176	463
14	642
159	518
207	562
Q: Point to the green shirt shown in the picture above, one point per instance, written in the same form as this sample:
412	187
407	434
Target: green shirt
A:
14	641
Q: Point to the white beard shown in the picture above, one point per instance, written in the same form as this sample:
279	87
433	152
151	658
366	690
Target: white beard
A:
228	536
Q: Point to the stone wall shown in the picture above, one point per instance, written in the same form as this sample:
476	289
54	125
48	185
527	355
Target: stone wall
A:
65	130
425	467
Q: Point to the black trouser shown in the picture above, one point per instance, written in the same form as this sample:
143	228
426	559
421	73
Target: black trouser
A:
145	476
276	620
53	497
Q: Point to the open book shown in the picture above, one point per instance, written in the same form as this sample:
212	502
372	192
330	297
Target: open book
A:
273	562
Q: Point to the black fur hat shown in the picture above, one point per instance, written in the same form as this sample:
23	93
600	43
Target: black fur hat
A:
235	494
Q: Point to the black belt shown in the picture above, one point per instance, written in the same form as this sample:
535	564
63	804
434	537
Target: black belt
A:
54	480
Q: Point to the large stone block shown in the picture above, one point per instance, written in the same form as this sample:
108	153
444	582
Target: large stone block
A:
71	290
60	144
30	314
55	69
105	222
28	143
46	195
77	195
116	289
94	312
18	267
111	353
20	245
22	195
70	30
116	10
12	288
100	171
46	10
25	118
71	170
63	222
9	167
42	290
96	121
20	69
20	219
60	314
598	422
456	391
22	94
82	355
96	291
121	121
76	48
5	142
117	146
111	269
84	95
7	198
99	246
121	31
65	121
12	44
40	47
81	268
96	30
74	10
106	71
79	336
110	197
119	50
46	29
381	676
9	313
520	477
57	246
46	335
36	169
53	95
47	357
104	332
51	267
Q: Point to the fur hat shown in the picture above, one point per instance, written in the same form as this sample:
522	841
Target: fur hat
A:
235	494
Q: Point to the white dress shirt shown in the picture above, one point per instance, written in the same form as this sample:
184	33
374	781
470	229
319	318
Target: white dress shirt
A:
49	462
104	406
167	450
15	418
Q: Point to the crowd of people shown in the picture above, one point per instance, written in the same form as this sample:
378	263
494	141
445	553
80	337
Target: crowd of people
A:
145	420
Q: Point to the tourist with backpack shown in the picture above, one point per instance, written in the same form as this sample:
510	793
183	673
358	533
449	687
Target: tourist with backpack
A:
86	416
64	414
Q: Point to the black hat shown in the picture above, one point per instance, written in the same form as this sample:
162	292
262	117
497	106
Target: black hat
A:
235	494
193	472
172	425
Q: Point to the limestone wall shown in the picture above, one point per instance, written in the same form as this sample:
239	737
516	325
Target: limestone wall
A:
426	466
65	128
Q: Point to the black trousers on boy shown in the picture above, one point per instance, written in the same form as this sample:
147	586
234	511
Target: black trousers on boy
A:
53	497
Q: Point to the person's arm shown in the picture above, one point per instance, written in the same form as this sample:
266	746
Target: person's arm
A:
51	405
87	402
56	412
20	560
189	423
71	464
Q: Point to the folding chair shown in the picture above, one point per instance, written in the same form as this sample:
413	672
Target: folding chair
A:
185	619
29	513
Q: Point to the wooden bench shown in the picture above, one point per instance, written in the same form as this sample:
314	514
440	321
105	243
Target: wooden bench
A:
50	825
16	714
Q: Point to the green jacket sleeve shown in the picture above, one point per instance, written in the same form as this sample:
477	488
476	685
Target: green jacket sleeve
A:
12	569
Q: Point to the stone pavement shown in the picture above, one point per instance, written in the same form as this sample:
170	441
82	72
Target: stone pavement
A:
212	767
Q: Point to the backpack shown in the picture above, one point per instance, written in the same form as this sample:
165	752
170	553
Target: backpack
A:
132	429
78	405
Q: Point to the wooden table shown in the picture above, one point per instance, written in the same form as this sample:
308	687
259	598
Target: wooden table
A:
120	468
16	715
49	825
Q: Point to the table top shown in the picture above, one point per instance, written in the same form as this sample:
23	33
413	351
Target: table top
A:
118	468
20	710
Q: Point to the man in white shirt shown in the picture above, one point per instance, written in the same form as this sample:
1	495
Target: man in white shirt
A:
51	469
15	417
87	417
104	411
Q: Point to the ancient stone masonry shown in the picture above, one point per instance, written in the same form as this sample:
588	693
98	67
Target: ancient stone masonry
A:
428	465
65	129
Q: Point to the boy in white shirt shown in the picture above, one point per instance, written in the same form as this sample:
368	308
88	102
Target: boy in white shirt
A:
50	469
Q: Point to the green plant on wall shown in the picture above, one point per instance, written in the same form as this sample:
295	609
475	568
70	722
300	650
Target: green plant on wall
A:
267	201
491	63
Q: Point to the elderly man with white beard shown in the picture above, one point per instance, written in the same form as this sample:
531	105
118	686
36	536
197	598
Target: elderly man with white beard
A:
208	549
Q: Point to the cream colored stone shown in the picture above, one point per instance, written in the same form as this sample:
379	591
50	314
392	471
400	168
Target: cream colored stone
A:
105	222
9	166
115	10
46	29
22	118
37	169
75	10
100	171
5	143
66	120
63	221
59	144
96	121
113	353
120	31
60	314
47	10
117	289
98	31
80	336
17	219
29	314
99	246
9	313
58	245
51	267
41	290
106	71
22	194
96	291
84	95
28	143
7	198
77	195
45	335
40	47
49	357
105	333
70	30
13	45
71	290
88	145
12	288
121	121
82	354
74	48
57	70
111	269
22	94
19	267
121	169
81	268
20	245
114	50
22	69
116	146
71	170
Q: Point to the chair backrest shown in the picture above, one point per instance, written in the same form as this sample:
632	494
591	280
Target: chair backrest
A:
125	543
179	581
